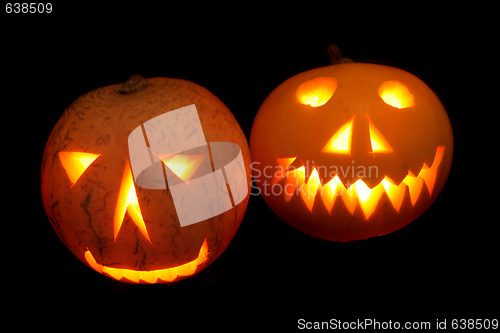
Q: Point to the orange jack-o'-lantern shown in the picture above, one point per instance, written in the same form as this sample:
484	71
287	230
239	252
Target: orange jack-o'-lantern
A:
146	182
351	151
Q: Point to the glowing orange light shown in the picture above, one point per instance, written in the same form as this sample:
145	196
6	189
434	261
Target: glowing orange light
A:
184	166
368	198
75	163
395	193
330	191
283	163
295	177
429	173
128	202
154	276
379	143
359	192
349	198
414	186
316	92
396	94
340	142
309	189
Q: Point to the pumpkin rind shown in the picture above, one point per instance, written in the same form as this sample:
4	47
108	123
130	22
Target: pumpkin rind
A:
82	214
409	138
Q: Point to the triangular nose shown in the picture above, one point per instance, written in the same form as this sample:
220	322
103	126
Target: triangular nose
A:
358	136
351	138
378	142
340	142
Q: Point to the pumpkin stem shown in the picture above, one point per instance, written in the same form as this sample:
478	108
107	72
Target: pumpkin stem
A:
335	54
133	84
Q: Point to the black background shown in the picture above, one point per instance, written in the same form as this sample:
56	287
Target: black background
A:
443	265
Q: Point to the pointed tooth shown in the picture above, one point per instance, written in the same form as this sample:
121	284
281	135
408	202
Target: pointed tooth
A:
368	198
308	190
429	174
283	164
350	198
294	178
414	185
395	193
148	276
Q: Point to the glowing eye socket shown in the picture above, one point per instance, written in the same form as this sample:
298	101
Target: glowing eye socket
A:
75	163
396	94
184	166
316	92
340	142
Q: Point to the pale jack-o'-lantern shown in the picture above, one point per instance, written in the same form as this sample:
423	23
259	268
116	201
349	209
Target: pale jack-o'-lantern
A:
146	182
351	151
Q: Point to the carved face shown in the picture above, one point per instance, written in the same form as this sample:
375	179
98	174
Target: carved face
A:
146	187
351	151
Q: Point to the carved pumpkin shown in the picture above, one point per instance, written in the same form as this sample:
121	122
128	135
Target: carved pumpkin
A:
146	182
351	151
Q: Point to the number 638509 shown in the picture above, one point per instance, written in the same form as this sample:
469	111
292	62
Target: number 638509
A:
28	8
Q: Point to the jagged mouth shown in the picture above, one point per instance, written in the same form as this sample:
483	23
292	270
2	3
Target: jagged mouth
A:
165	275
294	182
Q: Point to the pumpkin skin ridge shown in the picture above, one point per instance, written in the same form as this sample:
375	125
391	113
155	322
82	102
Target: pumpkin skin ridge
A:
99	122
292	129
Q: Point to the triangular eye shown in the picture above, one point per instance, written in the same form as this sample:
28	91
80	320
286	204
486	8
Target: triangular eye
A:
379	143
340	142
75	163
184	166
